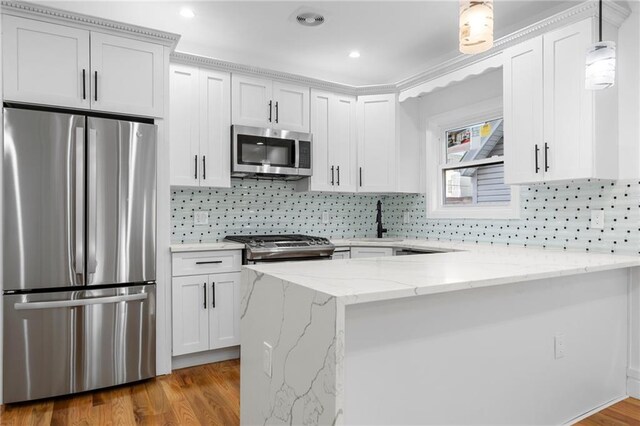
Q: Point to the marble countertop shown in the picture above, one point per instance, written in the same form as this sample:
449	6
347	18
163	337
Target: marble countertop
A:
466	266
179	248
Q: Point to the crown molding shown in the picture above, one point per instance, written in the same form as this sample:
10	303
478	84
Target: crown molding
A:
434	76
53	15
232	67
614	13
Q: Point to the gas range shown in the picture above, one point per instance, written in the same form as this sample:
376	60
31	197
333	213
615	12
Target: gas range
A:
283	247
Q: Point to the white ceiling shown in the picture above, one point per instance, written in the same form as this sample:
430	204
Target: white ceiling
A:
397	39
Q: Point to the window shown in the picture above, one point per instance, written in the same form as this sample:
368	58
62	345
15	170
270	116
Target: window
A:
466	165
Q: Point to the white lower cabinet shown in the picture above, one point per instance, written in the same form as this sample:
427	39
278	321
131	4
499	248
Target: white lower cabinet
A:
205	307
362	252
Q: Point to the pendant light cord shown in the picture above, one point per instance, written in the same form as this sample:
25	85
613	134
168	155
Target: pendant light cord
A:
600	20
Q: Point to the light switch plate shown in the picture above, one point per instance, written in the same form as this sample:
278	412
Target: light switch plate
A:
406	218
597	219
201	218
325	217
267	354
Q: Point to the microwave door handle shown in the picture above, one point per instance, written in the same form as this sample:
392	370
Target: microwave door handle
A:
297	151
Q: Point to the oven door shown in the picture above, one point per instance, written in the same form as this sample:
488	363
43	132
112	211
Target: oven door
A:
264	151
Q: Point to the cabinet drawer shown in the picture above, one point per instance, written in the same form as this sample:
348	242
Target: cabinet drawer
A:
206	262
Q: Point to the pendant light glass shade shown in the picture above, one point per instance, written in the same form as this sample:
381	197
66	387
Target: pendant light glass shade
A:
601	65
476	26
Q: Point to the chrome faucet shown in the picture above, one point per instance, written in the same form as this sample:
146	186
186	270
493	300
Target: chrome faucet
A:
381	229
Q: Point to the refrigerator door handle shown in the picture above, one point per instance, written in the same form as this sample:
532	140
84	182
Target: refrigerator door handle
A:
92	208
79	302
79	210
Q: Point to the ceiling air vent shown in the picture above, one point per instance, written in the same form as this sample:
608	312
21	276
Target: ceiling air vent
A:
310	19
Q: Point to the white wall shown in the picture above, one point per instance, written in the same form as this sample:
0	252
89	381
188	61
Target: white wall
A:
628	56
486	356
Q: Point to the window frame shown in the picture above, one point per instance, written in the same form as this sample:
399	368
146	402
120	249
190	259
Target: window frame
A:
437	125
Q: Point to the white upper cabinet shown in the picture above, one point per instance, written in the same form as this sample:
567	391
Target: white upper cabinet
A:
265	103
200	127
377	143
252	105
343	142
523	114
126	75
57	65
555	129
45	63
333	125
215	128
290	107
184	131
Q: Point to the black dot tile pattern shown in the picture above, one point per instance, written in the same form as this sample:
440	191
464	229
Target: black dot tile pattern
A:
552	215
253	207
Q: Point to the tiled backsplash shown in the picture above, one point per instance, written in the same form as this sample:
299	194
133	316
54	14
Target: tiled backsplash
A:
555	215
268	207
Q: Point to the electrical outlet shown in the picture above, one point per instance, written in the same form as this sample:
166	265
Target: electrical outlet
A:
201	218
406	218
597	219
267	354
559	346
325	217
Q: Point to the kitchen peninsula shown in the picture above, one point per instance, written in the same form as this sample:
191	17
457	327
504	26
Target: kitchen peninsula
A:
479	335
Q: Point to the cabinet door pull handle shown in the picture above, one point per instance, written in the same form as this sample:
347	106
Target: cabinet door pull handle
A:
338	171
84	84
213	295
546	155
277	111
208	262
332	183
270	108
360	176
96	91
537	150
195	173
204	289
204	167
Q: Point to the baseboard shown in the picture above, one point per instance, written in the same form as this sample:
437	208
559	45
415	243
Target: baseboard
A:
595	410
633	387
206	357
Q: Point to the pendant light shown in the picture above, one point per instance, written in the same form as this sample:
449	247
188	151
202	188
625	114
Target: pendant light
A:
476	26
601	61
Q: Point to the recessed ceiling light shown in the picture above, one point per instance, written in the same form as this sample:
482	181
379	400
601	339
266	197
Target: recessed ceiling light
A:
354	54
187	13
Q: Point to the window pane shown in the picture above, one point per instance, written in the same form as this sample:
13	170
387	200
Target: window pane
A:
476	185
475	142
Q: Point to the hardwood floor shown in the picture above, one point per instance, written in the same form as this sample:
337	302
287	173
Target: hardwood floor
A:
203	395
624	413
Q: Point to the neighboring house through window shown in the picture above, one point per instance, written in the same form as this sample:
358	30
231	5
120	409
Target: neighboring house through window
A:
465	156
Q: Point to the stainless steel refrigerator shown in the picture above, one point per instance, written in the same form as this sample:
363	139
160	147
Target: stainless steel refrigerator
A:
79	250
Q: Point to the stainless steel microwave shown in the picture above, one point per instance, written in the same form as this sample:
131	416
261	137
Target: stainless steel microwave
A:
281	154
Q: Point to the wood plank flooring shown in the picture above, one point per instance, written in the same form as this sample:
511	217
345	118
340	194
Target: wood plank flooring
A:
203	395
624	413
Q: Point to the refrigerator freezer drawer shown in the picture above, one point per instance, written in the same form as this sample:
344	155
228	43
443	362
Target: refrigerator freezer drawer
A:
73	341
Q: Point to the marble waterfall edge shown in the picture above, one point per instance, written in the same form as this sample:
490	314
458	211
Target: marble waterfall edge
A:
305	329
